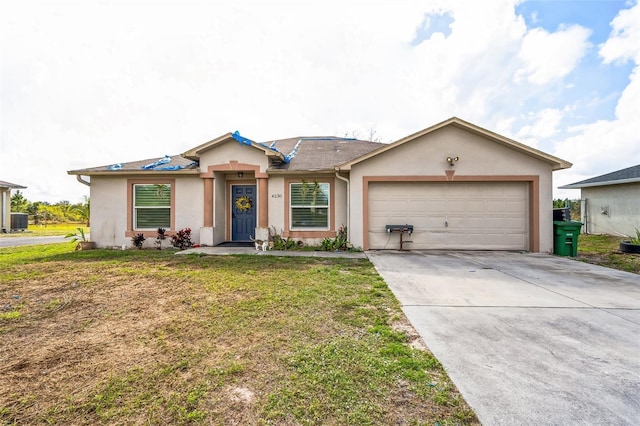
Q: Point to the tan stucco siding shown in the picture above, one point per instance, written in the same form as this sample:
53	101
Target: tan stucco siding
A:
277	194
613	209
189	205
478	157
110	210
340	204
233	151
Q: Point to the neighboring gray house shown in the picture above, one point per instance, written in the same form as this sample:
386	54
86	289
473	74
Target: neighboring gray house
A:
611	202
5	204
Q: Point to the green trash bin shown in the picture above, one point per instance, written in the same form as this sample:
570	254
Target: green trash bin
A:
565	238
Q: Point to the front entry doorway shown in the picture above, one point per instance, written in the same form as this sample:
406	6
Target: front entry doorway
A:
243	212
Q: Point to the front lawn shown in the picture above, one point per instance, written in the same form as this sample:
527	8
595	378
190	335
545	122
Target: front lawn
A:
146	337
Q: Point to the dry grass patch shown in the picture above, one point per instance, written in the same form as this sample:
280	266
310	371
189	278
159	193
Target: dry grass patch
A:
604	250
104	337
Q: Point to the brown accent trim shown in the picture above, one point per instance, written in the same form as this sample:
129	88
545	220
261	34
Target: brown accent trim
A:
263	202
208	202
130	232
234	166
449	174
534	199
332	210
534	214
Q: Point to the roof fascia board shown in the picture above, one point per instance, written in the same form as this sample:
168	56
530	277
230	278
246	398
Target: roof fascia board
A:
194	153
604	183
121	173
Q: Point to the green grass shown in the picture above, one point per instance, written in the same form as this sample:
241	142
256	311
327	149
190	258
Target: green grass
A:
143	336
604	250
50	230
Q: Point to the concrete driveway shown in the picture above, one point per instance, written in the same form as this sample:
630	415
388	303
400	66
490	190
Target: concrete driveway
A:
527	338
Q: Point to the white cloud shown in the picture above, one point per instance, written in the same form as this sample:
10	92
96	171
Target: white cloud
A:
550	56
623	44
609	145
544	125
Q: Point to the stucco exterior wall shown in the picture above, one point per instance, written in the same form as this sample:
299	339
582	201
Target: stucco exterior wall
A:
190	205
478	156
613	209
277	194
233	151
109	210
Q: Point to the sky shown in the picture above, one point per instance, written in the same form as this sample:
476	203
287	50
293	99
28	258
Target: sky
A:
90	83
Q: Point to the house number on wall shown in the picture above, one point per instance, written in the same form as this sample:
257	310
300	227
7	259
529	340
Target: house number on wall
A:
276	195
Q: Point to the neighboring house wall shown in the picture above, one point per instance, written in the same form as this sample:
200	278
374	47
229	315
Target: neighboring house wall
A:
424	159
5	209
612	209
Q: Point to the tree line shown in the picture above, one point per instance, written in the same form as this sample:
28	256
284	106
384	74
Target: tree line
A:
42	212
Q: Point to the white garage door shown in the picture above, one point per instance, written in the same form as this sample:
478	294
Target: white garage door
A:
451	215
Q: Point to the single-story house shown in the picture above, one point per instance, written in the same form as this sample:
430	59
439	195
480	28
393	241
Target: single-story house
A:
5	204
460	186
610	203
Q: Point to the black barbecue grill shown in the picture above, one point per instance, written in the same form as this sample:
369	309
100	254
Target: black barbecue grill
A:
401	229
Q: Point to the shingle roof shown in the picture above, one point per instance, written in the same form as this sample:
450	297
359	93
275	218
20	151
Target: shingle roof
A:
628	175
176	162
4	184
307	153
315	153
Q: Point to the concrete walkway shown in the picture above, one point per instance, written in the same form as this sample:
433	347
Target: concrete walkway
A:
251	250
528	339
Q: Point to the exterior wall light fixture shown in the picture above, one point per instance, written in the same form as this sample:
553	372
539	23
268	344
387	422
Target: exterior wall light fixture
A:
452	160
240	174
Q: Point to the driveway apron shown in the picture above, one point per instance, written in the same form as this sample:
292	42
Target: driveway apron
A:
528	339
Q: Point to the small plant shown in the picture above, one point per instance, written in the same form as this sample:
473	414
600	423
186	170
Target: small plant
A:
81	239
138	240
285	244
340	242
635	240
160	238
78	236
182	239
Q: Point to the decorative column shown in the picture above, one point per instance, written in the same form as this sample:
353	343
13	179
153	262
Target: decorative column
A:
208	202
263	202
206	232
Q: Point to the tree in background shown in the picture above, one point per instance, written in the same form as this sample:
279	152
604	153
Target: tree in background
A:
42	212
574	206
19	204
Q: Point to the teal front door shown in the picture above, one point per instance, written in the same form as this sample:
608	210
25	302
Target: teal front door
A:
243	212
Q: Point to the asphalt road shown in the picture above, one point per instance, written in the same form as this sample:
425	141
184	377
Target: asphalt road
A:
528	339
28	241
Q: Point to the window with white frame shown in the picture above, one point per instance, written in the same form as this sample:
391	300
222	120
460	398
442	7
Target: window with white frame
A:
309	205
151	206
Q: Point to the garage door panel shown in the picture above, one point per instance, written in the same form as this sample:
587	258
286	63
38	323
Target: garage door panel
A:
472	215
